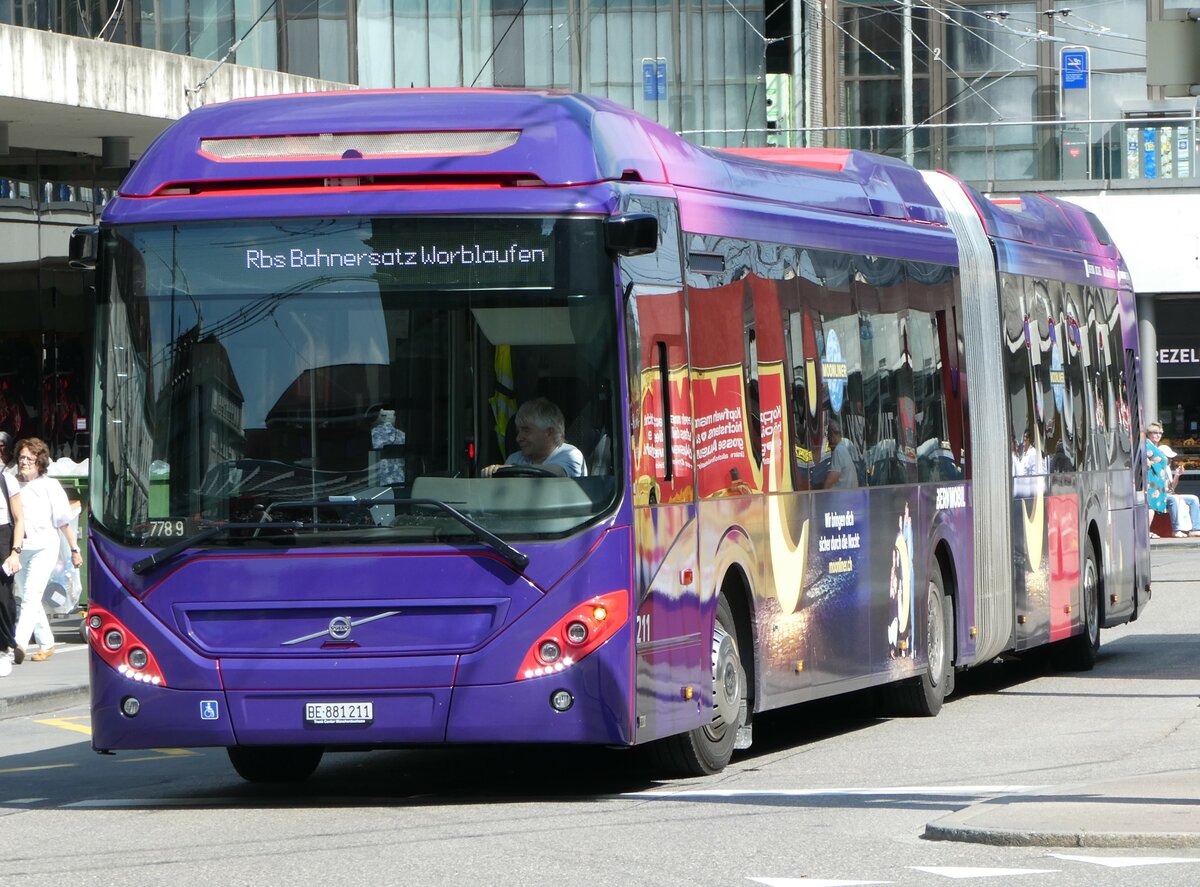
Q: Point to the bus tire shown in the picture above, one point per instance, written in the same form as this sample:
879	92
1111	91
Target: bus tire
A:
1079	652
922	696
708	749
275	763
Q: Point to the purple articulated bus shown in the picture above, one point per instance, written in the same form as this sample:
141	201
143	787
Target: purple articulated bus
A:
769	427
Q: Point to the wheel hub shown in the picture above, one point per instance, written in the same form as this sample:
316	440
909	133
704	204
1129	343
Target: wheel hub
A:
936	636
727	685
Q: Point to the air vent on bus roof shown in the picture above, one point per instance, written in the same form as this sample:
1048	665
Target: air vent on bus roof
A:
319	146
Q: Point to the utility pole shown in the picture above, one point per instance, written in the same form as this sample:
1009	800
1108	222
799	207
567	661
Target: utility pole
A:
906	82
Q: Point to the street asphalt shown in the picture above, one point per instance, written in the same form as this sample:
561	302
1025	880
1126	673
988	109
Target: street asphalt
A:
1155	810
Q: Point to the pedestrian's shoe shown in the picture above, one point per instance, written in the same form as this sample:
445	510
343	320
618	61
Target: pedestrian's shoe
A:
6	666
42	655
18	655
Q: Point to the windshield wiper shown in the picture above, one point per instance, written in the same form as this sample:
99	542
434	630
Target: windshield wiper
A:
517	559
146	564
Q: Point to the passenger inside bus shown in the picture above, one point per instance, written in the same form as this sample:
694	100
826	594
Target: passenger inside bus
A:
843	475
387	443
542	448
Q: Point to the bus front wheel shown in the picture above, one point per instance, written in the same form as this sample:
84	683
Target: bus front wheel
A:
272	763
708	749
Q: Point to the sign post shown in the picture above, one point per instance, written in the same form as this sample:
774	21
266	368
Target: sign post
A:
1075	104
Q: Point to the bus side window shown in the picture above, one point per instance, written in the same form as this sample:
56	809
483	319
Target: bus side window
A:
750	380
1016	346
1074	358
935	459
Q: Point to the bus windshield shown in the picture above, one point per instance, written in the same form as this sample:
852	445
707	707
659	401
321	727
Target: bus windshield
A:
341	381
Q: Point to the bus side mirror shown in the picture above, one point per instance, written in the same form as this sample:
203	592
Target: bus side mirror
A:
85	247
631	234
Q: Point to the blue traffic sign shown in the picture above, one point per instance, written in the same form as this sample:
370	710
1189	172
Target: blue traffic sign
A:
1074	69
654	79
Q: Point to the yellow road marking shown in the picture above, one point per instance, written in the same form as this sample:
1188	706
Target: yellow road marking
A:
163	755
68	724
40	767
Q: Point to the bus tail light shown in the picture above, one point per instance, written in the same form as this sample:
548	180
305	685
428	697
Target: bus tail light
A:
121	648
580	631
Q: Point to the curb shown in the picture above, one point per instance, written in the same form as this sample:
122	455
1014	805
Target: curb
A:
1000	837
42	702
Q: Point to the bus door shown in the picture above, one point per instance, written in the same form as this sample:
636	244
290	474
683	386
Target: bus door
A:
670	650
673	655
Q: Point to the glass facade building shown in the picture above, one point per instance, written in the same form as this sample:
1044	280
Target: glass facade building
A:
689	64
987	104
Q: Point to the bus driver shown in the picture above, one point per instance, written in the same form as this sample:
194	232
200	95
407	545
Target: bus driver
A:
540	433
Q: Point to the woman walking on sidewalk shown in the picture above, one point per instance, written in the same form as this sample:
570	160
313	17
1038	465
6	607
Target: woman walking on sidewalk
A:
12	530
47	513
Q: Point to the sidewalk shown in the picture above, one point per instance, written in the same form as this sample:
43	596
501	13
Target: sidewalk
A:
62	680
1155	810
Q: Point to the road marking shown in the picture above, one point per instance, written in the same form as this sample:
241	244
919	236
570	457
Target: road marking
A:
115	803
68	724
966	872
164	754
904	791
39	767
1120	862
810	882
25	801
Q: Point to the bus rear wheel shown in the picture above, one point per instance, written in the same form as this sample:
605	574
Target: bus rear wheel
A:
274	763
708	749
1079	652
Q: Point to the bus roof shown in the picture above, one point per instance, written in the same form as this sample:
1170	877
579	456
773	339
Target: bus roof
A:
494	138
1045	221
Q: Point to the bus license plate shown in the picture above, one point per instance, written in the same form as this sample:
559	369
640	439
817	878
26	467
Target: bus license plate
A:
339	712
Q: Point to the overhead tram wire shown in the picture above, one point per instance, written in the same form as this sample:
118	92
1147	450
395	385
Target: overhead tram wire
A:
969	85
935	54
118	8
233	47
1030	33
829	19
762	68
516	17
1001	20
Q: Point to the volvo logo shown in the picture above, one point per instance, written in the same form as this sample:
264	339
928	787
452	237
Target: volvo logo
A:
339	628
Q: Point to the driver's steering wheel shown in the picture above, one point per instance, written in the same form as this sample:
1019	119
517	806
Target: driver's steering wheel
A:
523	471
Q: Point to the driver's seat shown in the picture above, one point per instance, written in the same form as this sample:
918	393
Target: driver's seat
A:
600	460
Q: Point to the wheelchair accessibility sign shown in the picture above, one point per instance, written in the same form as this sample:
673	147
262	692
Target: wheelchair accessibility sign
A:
209	711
